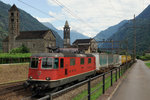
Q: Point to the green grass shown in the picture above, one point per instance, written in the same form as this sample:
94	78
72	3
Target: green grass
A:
148	64
98	93
146	57
17	55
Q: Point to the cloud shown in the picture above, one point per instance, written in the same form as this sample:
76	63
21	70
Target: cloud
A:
91	16
44	19
54	17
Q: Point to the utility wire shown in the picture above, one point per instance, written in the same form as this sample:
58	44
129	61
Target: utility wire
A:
71	13
40	11
43	11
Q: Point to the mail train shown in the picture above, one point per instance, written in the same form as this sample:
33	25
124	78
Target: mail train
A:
52	70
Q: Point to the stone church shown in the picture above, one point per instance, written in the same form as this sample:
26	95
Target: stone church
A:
36	41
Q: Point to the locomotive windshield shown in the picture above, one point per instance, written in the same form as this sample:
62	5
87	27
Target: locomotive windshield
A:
47	63
34	63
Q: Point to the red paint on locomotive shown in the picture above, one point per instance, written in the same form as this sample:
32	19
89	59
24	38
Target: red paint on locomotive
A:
66	68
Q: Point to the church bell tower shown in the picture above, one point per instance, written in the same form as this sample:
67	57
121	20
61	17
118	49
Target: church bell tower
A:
66	35
13	26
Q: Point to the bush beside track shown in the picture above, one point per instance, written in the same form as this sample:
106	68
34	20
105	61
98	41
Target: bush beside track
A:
144	58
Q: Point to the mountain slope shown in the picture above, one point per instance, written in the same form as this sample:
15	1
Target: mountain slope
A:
27	22
73	34
109	32
142	33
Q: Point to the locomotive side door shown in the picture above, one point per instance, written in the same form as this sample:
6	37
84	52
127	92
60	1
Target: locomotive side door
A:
62	66
66	66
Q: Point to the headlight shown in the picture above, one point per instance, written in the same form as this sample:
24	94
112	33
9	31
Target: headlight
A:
30	77
47	78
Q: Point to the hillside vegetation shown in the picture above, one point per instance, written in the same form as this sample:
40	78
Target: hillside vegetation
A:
109	32
125	32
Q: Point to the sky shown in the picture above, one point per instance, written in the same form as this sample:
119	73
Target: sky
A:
88	17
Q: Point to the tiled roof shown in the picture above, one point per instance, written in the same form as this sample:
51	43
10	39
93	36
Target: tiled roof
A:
31	34
82	41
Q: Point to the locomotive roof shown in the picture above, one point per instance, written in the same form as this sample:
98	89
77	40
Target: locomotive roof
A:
61	55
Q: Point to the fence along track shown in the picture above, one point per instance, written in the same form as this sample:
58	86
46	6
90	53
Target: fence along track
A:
119	70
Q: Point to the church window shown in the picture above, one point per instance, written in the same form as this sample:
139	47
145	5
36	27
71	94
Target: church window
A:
12	20
12	14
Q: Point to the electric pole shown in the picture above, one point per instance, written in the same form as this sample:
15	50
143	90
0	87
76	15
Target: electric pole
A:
134	33
134	52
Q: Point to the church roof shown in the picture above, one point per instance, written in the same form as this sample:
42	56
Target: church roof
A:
31	35
13	8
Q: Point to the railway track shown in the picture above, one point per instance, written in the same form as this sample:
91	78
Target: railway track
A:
6	88
14	91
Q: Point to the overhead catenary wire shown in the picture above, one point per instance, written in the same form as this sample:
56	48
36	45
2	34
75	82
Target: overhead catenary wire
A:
45	12
40	11
72	13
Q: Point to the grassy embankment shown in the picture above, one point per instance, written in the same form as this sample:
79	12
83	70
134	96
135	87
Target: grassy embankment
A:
147	63
16	55
146	59
98	93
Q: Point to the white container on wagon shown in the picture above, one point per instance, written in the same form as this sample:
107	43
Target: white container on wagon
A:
97	60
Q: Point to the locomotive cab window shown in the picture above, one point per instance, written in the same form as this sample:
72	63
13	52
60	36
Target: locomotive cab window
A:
47	63
56	63
89	60
82	61
61	63
34	63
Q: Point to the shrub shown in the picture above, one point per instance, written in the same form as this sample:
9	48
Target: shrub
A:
21	49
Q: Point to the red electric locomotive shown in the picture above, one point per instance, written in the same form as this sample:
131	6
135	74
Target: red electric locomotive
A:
50	70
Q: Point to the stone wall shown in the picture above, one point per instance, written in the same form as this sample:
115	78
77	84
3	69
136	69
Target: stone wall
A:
5	46
35	45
